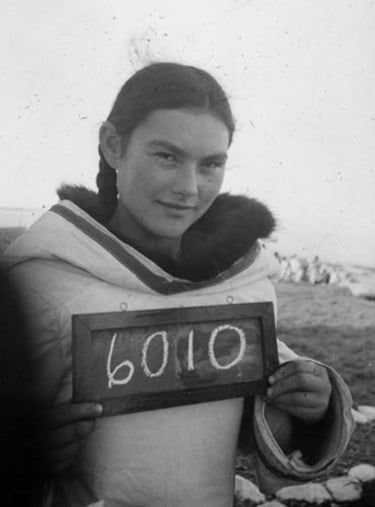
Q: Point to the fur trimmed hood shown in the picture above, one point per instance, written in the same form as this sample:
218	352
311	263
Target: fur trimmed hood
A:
224	234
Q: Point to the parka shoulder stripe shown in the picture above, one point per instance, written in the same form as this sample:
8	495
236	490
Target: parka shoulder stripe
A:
144	274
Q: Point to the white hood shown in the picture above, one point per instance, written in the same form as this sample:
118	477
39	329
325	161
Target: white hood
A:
69	235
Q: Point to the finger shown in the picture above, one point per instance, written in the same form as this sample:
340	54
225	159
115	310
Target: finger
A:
66	435
59	460
307	406
298	367
299	399
307	414
300	382
68	412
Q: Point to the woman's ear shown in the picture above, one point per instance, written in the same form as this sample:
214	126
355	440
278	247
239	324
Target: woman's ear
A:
110	144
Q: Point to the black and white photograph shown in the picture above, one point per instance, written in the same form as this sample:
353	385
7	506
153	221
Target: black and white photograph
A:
187	253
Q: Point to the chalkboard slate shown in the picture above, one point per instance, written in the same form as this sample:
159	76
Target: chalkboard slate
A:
142	360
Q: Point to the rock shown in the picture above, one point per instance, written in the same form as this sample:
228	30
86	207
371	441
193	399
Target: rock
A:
367	411
246	490
310	492
363	290
359	417
363	473
344	489
272	503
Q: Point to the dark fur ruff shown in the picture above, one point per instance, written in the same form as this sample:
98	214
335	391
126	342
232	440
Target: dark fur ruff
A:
223	235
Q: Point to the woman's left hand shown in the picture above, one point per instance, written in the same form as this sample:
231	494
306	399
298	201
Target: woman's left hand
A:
302	388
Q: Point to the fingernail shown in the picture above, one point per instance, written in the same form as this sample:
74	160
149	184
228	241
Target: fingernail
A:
98	409
269	392
271	379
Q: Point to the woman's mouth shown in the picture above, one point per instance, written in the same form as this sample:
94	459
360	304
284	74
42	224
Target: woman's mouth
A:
176	206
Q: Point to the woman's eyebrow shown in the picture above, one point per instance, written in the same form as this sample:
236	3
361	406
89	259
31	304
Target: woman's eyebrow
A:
216	157
222	156
167	146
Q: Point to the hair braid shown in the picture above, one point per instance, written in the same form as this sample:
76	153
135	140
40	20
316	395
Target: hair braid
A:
107	188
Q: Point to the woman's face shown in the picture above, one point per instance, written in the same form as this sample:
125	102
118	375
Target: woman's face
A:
169	174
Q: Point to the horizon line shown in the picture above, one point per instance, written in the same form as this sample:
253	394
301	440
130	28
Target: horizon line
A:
19	208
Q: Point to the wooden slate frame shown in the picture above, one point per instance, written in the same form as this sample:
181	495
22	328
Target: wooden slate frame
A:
84	325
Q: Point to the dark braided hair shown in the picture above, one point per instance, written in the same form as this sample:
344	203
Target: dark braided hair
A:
161	85
106	183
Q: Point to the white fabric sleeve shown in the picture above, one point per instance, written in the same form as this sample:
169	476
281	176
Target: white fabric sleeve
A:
276	469
47	359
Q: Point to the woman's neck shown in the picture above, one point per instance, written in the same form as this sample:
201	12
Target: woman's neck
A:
126	228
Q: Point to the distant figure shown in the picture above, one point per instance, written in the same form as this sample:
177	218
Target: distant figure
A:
298	268
286	272
318	273
314	270
277	256
335	276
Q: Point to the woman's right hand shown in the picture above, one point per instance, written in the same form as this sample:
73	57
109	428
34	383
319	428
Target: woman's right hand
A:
63	429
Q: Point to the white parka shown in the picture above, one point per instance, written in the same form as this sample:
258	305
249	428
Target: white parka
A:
67	263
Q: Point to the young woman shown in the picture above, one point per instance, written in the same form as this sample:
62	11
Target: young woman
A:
158	234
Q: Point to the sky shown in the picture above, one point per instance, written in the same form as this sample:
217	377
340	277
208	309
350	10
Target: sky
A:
299	73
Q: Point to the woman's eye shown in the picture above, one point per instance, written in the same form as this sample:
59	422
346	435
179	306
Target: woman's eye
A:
166	157
214	165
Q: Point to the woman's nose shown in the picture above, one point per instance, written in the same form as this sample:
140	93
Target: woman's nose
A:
187	180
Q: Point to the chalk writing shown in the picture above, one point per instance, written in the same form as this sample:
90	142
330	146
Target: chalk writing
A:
146	369
142	360
211	344
111	373
190	355
191	351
